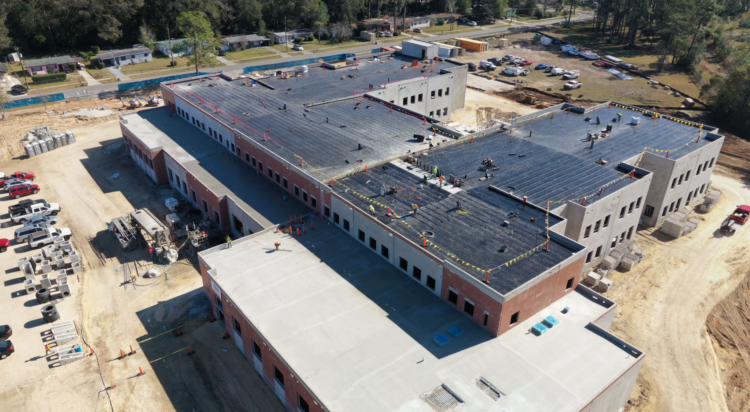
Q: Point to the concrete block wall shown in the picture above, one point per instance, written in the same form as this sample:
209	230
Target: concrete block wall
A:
617	392
293	388
150	161
407	94
688	173
608	209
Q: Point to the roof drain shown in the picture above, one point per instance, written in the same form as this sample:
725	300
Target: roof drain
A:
428	234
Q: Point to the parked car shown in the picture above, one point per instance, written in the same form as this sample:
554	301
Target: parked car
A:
540	66
549	69
389	34
629	66
23	233
485	65
588	54
48	237
14	182
515	71
5	332
571	75
38	209
297	47
22	205
495	60
46	220
470	23
19	89
508	57
17	175
557	71
23	190
573	84
417	30
6	349
4	244
526	63
472	67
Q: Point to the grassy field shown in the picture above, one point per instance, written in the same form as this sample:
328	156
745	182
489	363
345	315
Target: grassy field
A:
446	29
643	55
160	62
103	75
160	73
257	59
249	54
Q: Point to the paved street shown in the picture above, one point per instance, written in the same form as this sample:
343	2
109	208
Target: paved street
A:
112	87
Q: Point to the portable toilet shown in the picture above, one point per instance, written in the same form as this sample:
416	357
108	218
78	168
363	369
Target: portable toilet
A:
37	149
71	137
50	143
56	141
64	139
43	146
30	150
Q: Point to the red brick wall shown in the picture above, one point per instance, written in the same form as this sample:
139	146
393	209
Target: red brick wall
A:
168	96
541	295
202	192
292	385
160	169
482	302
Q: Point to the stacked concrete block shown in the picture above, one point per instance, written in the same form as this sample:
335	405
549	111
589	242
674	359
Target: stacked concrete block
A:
74	258
46	267
673	227
603	272
61	274
628	262
711	199
591	279
626	246
59	262
616	254
62	284
29	286
604	285
66	247
47	251
76	266
30	276
608	263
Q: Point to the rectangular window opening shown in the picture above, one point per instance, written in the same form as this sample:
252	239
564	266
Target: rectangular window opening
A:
469	308
403	264
569	284
514	318
486	319
431	282
346	225
452	297
384	251
373	244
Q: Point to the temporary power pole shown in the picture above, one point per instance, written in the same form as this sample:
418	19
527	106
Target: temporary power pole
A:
286	37
23	69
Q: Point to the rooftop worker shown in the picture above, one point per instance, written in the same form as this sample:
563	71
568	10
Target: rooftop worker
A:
619	116
441	180
372	210
414	208
425	178
597	120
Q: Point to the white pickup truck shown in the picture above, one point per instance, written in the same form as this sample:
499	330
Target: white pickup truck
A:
39	209
49	236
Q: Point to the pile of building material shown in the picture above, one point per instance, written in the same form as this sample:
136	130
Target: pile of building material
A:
711	199
624	257
678	225
43	139
64	332
55	260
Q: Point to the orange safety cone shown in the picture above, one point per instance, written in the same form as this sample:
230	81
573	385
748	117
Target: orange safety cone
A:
92	350
472	139
312	224
190	350
179	333
424	242
365	168
111	384
297	231
226	334
303	229
132	352
122	354
140	371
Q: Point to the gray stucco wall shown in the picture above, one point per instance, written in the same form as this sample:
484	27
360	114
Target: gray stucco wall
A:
613	398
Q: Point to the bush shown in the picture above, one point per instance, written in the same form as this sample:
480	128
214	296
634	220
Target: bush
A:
49	78
99	65
440	22
95	49
397	32
84	54
325	36
298	40
745	22
309	38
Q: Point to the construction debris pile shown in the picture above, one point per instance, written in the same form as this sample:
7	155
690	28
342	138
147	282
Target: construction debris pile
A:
678	224
711	199
43	139
623	257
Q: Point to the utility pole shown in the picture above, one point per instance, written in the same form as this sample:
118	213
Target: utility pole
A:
171	54
286	37
23	69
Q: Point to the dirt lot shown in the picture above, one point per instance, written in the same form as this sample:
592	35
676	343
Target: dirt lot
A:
598	85
110	313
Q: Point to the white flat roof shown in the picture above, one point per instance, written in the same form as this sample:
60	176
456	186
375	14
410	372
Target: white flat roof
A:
359	332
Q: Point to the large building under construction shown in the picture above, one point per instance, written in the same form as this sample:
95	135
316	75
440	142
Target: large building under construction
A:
386	262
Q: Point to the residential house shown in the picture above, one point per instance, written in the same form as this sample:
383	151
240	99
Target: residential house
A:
413	22
246	41
175	47
289	36
134	55
3	72
52	65
447	17
376	25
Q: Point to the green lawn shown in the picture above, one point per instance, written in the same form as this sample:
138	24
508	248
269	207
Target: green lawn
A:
160	62
179	70
249	53
257	59
102	75
446	29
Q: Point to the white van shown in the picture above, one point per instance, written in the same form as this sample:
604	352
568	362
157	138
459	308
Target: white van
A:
558	71
515	71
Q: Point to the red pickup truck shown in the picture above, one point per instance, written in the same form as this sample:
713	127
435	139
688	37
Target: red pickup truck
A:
23	190
17	175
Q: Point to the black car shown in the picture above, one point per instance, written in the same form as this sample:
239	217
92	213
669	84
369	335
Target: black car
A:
19	89
6	348
472	67
5	332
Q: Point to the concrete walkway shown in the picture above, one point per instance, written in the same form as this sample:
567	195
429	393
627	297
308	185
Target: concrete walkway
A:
225	61
89	79
120	75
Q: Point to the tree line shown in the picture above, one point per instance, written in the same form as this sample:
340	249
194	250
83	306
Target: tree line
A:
58	26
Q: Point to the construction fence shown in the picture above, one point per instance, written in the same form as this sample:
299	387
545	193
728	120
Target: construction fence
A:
274	66
34	100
